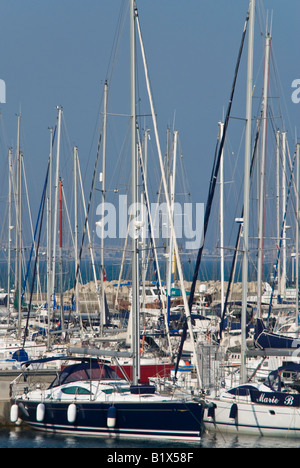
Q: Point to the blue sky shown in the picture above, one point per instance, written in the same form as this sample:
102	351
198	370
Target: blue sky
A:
58	53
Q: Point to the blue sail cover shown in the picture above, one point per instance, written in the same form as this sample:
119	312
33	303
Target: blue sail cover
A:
265	339
273	340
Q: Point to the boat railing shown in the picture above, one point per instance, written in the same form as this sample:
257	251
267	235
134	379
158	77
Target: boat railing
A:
25	383
211	358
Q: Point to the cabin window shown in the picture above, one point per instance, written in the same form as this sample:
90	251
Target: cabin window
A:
76	391
241	391
116	389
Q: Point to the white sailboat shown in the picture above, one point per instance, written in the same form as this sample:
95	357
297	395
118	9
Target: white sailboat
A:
271	408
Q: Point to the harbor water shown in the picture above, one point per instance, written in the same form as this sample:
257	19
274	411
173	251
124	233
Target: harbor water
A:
26	438
209	270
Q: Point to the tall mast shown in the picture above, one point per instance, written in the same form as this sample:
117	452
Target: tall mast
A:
263	174
278	208
49	237
62	319
19	229
164	182
143	229
75	155
283	180
9	227
246	187
297	238
134	199
103	179
56	198
48	271
171	265
221	130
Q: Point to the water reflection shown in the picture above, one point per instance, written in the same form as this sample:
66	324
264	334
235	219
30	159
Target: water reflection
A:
219	440
25	438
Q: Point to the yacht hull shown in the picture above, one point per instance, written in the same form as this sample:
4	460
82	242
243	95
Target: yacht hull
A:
163	420
251	418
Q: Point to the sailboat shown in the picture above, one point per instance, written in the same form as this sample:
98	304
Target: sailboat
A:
88	398
269	408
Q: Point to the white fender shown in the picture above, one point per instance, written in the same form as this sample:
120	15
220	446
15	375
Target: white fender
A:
40	412
111	417
14	413
72	413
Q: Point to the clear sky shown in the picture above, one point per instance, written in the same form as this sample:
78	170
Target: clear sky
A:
60	53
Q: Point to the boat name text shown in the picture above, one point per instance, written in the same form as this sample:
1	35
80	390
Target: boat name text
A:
273	400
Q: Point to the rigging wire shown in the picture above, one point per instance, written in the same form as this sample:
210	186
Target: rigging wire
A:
41	215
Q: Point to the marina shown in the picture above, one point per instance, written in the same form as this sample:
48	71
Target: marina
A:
132	315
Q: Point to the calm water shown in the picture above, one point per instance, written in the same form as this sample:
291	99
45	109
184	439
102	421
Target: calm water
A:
209	270
25	438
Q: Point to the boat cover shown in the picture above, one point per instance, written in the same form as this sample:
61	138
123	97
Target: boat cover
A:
274	380
84	371
265	339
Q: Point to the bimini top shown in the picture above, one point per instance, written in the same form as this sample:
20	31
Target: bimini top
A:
91	370
87	368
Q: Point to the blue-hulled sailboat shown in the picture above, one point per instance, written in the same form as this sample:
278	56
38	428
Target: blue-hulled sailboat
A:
88	398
